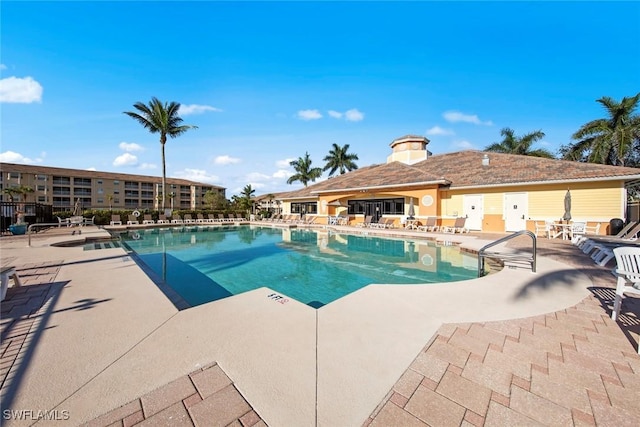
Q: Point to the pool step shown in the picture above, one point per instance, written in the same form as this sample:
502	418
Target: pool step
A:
102	245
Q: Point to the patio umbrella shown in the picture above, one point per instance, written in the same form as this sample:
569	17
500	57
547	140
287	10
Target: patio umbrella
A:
567	206
76	208
412	211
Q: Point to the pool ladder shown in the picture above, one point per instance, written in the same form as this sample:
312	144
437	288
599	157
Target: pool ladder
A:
509	257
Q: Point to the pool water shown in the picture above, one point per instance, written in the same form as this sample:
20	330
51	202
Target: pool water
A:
315	267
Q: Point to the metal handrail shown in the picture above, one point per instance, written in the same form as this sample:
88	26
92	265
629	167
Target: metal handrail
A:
481	252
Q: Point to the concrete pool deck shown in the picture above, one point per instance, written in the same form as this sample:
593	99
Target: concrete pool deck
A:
97	338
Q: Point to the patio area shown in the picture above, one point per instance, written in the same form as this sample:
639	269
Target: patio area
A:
90	339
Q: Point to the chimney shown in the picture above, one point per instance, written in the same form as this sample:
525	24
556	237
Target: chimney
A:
485	160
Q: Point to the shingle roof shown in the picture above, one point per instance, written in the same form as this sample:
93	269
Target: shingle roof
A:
465	169
48	170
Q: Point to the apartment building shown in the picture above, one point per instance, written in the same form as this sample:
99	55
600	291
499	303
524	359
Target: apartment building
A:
63	188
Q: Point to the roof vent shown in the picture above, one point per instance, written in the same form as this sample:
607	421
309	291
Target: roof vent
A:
485	160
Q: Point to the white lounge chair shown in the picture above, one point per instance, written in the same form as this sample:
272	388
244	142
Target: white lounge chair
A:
628	273
115	220
457	227
8	272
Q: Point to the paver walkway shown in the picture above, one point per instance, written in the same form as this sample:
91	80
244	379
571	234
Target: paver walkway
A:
572	367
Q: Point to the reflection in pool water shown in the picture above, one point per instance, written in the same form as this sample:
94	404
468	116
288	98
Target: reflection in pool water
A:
315	267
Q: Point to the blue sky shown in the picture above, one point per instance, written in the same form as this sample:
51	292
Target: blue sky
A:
266	82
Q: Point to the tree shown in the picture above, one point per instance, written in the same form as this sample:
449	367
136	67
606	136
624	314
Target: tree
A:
23	190
214	200
512	144
245	200
163	119
340	159
614	140
304	171
12	191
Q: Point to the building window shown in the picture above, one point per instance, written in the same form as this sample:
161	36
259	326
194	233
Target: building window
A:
100	201
41	177
99	182
13	175
304	208
61	180
377	206
85	182
42	199
116	182
40	188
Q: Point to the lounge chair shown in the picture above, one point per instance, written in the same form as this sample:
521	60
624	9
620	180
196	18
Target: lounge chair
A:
8	272
188	219
383	223
177	219
222	218
366	222
431	224
115	220
457	227
162	219
581	240
588	244
200	219
147	219
133	220
628	273
66	222
212	218
89	221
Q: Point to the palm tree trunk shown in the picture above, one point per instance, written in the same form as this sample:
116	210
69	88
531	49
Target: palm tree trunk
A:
163	139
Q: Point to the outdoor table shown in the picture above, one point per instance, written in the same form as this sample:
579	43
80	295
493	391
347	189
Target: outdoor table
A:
561	229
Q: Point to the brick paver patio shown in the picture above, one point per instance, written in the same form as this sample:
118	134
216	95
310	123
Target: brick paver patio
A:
571	367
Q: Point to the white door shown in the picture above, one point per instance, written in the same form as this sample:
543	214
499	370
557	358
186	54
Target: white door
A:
515	211
472	208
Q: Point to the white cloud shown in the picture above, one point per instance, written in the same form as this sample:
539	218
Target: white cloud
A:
20	90
281	173
437	130
130	146
185	110
125	159
226	160
353	115
197	175
309	115
335	114
147	166
13	157
257	176
464	145
284	163
91	169
457	116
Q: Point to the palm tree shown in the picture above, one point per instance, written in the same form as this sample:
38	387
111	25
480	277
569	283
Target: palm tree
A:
339	159
163	119
304	171
614	140
246	197
512	144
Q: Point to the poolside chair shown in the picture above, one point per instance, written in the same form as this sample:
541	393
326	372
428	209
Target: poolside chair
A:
222	218
177	219
384	223
89	221
133	220
147	219
544	228
211	218
366	222
162	219
188	219
200	219
588	244
115	220
582	240
8	272
628	273
431	224
457	227
66	222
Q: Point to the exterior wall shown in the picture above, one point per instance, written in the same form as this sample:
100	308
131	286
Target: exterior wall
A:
100	190
544	202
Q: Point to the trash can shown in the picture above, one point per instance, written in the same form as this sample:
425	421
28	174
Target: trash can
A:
615	225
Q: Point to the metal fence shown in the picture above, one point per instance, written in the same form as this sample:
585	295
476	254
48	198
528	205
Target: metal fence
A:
33	213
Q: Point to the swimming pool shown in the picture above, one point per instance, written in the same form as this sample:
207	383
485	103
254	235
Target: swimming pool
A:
315	267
